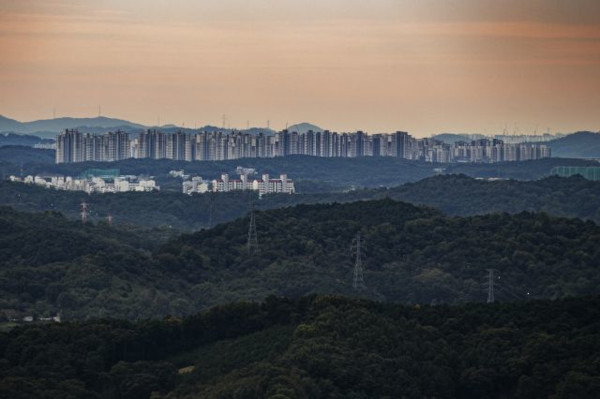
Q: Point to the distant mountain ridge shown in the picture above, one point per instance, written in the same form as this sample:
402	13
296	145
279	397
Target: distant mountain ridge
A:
49	128
577	145
22	139
452	138
304	127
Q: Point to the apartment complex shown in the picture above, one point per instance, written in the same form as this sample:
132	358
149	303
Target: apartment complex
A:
92	184
73	146
264	185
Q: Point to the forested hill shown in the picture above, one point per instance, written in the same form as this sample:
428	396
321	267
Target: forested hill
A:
409	255
49	264
316	347
577	145
462	195
452	194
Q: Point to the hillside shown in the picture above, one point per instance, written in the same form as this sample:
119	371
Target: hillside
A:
577	145
48	263
522	170
411	255
462	195
15	157
452	138
48	127
452	194
316	347
304	127
12	139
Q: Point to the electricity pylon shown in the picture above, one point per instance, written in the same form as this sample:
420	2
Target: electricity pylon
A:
252	236
358	282
490	286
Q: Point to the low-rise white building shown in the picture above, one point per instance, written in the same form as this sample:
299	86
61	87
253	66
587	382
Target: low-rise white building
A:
196	185
92	184
265	185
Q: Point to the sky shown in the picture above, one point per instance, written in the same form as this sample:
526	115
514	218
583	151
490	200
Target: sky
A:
422	66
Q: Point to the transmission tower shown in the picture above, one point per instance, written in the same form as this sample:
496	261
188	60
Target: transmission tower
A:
211	209
84	213
490	286
252	236
358	282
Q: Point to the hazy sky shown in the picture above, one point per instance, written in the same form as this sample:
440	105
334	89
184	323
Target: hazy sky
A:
423	66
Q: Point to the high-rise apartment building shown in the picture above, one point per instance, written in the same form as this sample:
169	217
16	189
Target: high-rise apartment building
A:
73	146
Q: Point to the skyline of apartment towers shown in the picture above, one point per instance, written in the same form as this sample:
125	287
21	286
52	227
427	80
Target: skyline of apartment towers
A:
74	146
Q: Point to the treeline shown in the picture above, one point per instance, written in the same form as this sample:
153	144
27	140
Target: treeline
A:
316	347
14	139
453	194
17	158
410	255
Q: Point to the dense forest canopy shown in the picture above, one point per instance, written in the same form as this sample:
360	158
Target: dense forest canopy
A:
316	347
411	254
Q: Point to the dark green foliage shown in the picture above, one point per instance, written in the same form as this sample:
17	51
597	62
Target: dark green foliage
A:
316	347
412	255
462	195
14	159
51	265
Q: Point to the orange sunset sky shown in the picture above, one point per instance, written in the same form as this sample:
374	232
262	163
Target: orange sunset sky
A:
422	66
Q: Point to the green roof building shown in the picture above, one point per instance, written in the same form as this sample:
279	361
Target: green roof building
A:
587	172
101	173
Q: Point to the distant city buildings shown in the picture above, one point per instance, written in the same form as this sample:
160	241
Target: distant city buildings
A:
72	146
264	185
107	182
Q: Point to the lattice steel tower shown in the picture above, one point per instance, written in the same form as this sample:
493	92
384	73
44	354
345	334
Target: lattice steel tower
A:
358	282
490	288
84	212
252	236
